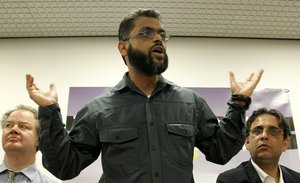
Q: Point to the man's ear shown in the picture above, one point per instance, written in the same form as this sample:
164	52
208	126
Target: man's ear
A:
37	144
122	46
247	143
286	144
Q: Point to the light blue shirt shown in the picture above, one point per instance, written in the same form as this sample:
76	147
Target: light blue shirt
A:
27	175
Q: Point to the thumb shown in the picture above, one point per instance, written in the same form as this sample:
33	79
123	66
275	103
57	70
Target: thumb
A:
53	92
232	77
52	87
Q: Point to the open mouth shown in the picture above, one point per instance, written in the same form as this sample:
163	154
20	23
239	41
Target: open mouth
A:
158	49
158	52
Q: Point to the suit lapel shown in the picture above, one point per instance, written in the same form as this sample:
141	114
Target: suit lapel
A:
287	177
251	172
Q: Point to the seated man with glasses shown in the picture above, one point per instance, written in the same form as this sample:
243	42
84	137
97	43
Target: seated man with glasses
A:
268	135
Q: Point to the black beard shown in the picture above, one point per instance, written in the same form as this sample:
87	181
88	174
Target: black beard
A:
144	63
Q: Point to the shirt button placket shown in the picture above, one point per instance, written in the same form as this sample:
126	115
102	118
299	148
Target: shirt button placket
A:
155	157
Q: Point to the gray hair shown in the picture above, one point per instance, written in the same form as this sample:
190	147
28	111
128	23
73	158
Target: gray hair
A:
26	108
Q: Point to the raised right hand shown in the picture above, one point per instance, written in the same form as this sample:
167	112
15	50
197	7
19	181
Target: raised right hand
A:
41	98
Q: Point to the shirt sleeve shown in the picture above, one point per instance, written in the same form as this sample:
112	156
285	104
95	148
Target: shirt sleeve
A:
224	178
222	139
62	154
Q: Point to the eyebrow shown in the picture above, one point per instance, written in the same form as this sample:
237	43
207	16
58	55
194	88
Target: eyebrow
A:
18	122
151	28
261	126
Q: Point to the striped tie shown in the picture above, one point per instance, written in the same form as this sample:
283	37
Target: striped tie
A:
11	175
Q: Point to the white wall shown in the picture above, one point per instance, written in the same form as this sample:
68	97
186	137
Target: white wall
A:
96	62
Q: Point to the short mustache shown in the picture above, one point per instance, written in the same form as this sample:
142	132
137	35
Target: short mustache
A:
158	44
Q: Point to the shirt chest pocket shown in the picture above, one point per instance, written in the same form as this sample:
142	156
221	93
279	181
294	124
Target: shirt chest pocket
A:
181	144
119	151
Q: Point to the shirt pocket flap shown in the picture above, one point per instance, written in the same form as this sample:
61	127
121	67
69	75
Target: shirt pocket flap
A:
185	130
118	135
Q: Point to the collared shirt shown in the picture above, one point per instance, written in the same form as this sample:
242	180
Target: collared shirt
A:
141	139
265	178
26	175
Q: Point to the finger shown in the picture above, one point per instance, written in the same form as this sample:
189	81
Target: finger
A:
260	72
232	77
52	87
29	81
258	75
249	78
53	92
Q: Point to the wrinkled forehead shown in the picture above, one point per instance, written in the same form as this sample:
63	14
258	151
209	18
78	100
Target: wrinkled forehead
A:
21	116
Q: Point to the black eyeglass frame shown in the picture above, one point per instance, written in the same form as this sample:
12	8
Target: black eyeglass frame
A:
149	35
273	131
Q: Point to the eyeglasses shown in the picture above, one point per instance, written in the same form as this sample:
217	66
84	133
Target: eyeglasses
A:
273	131
149	34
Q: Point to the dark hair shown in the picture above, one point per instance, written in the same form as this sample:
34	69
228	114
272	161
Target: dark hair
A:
127	23
281	119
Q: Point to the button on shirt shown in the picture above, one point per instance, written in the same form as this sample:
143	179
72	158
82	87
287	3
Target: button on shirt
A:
27	175
265	178
141	139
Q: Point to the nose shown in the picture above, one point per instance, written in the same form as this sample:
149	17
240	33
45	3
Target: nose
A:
157	37
14	129
265	133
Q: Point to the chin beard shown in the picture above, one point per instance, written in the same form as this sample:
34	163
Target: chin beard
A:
144	63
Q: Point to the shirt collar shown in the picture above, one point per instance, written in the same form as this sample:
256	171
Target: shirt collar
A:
30	171
263	175
3	167
126	82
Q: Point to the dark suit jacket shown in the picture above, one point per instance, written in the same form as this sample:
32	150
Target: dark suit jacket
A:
246	173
